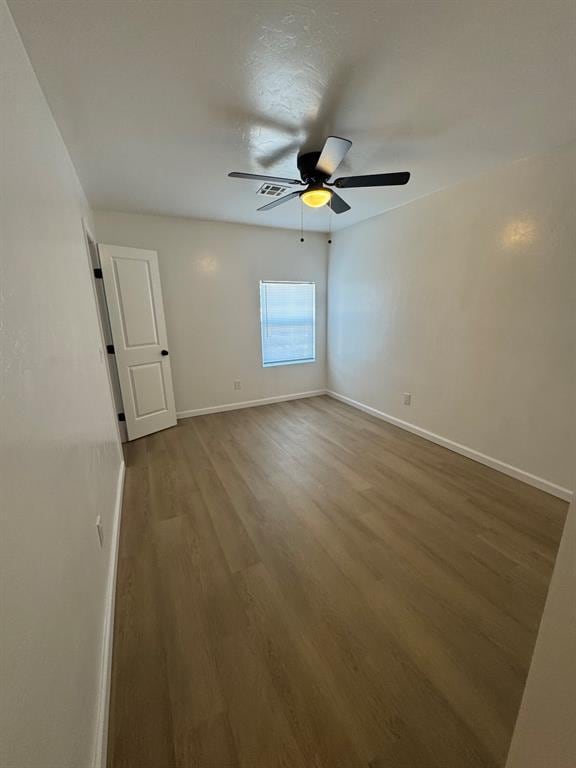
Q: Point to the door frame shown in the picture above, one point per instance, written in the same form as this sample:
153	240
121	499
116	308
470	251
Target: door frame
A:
108	359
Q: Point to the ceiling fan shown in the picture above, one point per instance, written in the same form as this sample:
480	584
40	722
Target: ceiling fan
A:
315	170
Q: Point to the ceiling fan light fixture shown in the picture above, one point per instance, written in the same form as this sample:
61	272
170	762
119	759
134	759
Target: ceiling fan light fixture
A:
316	168
316	197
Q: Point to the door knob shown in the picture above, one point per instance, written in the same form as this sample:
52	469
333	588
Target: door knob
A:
164	352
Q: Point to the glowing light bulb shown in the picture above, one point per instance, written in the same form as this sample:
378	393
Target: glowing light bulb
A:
317	197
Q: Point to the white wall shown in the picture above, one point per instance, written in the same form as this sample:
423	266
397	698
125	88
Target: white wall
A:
210	274
59	453
467	299
545	733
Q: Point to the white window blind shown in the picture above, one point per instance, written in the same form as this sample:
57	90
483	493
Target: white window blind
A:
287	318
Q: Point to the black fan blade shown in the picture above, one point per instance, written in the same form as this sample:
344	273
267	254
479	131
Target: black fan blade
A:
373	180
260	177
335	150
337	204
279	201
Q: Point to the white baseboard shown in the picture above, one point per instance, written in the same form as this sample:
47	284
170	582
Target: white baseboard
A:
489	461
248	404
101	740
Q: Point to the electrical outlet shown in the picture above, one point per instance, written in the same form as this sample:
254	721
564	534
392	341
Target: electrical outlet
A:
407	398
100	530
237	385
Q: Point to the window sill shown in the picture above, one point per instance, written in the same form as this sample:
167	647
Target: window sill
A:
288	362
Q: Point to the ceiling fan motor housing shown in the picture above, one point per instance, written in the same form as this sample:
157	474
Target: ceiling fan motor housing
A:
308	171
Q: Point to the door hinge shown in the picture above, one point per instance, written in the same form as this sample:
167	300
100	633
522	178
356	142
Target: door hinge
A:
110	349
121	417
98	273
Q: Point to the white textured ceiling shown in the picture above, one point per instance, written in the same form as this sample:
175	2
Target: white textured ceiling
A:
158	100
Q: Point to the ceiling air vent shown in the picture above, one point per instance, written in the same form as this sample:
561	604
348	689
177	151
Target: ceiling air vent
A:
271	190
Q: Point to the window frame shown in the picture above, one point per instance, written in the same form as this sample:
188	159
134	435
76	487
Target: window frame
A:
308	360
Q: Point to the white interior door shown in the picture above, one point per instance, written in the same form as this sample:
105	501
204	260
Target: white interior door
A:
134	297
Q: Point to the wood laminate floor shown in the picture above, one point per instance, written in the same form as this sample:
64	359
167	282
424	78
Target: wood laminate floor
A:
302	585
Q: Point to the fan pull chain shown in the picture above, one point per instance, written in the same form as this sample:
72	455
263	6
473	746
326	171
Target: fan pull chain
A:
301	221
329	225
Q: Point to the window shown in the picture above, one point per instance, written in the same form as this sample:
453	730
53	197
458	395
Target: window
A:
287	319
